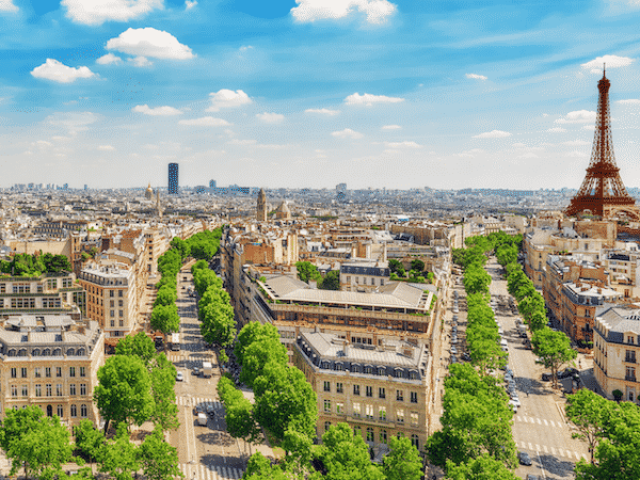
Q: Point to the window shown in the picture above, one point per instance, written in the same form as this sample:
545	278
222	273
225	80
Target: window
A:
60	411
112	313
400	415
382	414
59	372
415	441
356	389
25	391
369	391
121	313
83	371
83	411
72	389
369	434
38	390
112	303
23	372
120	293
339	388
47	372
59	392
414	419
340	408
327	386
630	374
121	323
357	432
14	391
72	371
356	410
381	393
630	340
327	425
14	372
111	294
327	406
369	412
120	303
37	372
48	390
83	389
630	356
399	395
74	411
383	436
414	397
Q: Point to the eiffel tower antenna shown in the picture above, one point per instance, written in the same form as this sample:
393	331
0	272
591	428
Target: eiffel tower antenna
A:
602	192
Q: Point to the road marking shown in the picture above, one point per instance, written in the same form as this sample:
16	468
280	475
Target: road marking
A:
553	450
539	422
530	447
545	449
561	452
546	424
577	455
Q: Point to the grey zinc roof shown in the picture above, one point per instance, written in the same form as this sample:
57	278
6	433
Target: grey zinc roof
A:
621	320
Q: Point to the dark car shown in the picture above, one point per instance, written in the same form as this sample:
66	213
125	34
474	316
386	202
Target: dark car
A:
454	359
546	377
569	372
210	410
531	476
198	409
466	357
524	459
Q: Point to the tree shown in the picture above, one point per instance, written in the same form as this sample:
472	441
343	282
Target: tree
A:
345	456
308	271
218	324
476	280
123	394
89	440
199	265
554	348
119	457
39	444
506	254
258	355
259	468
163	380
298	447
205	278
165	318
530	305
167	295
139	345
403	462
159	459
396	266
483	467
331	281
251	333
181	246
417	265
590	413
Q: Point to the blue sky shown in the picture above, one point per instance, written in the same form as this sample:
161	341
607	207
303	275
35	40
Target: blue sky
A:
311	93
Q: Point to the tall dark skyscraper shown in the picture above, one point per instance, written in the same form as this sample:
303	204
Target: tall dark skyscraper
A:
173	178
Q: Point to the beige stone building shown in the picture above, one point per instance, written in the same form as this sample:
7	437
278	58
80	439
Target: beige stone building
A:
52	362
616	352
379	391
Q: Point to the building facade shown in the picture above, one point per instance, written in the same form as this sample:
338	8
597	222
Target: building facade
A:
173	178
52	362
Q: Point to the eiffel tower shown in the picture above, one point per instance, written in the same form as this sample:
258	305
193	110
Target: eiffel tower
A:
602	191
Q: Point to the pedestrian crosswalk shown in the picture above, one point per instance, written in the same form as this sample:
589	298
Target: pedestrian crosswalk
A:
195	358
543	449
538	421
193	401
209	472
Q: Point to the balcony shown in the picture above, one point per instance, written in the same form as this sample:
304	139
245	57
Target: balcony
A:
630	359
630	378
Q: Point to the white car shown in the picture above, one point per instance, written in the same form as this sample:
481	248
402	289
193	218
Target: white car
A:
179	377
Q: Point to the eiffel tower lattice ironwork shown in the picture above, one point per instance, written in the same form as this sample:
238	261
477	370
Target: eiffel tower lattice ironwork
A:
602	191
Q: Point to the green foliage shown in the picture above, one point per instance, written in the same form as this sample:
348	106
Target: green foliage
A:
395	266
483	467
205	278
119	457
417	265
165	318
507	254
182	247
554	348
308	271
167	295
258	354
403	462
139	345
89	440
476	279
26	265
331	281
591	414
205	245
199	265
254	332
39	444
260	468
123	393
239	412
159	460
217	315
162	374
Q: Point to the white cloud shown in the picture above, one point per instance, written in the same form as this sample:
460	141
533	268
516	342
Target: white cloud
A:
96	12
576	143
470	153
236	141
589	127
270	117
369	99
158	111
140	61
42	143
72	121
347	133
377	11
631	101
59	72
612	61
493	134
205	122
7	6
475	76
227	99
579	116
391	127
518	145
108	59
402	144
323	111
556	130
149	42
576	154
244	48
188	5
106	148
528	155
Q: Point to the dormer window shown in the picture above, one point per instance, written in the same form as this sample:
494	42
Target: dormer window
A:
631	340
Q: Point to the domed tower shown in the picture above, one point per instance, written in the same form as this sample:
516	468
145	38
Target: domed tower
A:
148	194
261	207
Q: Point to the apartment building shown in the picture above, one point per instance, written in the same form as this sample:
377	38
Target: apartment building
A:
112	296
363	275
48	294
50	361
380	391
617	352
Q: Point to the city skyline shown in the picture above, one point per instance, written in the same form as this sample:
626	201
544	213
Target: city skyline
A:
312	93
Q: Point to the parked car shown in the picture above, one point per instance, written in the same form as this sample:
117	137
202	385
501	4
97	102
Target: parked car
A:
569	372
466	357
531	476
454	359
546	377
454	350
198	409
196	371
179	377
210	410
524	458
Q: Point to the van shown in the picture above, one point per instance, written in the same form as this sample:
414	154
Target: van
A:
202	419
504	345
